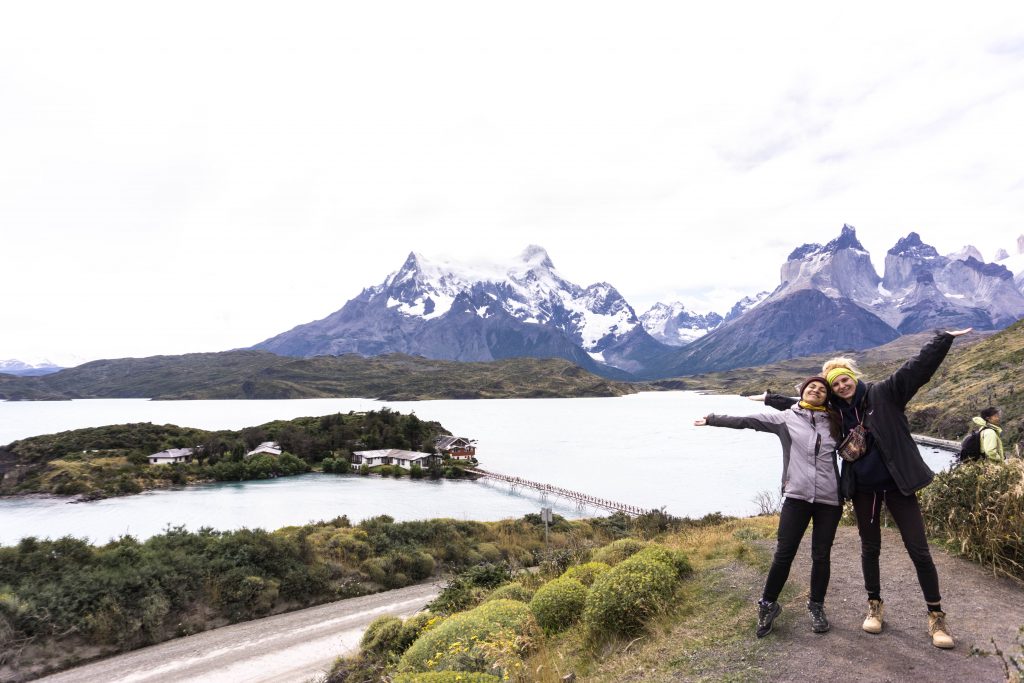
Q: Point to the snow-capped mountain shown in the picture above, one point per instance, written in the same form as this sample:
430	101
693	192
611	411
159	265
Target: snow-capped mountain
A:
28	369
830	298
840	269
672	324
923	288
745	304
449	310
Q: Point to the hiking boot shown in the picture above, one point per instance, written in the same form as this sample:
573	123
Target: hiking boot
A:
766	614
819	622
939	631
873	621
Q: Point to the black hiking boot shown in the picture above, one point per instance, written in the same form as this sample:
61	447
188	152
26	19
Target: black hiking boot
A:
819	622
766	614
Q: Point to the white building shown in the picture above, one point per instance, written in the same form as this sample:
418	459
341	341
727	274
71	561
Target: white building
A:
393	456
270	447
171	455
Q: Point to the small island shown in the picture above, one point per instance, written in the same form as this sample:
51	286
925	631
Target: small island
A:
115	460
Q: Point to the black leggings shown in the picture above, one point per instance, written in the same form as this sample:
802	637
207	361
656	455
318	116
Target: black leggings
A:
796	515
907	514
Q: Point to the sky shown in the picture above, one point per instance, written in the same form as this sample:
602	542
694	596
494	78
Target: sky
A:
200	176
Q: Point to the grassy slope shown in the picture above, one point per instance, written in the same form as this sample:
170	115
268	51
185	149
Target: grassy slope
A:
261	375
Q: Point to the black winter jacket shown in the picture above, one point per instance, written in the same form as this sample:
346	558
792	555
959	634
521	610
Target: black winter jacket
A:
885	417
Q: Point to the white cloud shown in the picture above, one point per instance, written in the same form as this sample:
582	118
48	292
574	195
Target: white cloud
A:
205	175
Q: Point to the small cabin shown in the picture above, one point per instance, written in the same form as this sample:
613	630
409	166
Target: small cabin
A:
269	447
458	447
171	455
393	456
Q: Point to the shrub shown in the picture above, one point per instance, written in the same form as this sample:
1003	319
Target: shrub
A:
558	604
469	588
625	596
491	637
674	558
446	677
619	550
382	636
977	509
511	591
586	573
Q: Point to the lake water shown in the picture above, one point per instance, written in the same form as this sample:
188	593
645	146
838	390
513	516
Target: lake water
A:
640	449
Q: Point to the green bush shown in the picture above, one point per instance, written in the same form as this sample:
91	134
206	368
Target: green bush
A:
619	550
586	573
624	597
469	588
511	591
674	558
558	604
490	637
383	636
446	677
977	510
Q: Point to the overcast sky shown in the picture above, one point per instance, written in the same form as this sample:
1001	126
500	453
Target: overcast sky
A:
199	176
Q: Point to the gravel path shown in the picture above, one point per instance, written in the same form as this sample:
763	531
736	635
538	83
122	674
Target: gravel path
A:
980	607
296	646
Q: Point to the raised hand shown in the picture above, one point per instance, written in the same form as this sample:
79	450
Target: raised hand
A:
700	422
757	397
957	333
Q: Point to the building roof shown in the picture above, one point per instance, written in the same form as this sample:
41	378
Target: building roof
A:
444	442
393	453
271	447
171	453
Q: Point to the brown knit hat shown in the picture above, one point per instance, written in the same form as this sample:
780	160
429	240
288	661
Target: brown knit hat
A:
828	389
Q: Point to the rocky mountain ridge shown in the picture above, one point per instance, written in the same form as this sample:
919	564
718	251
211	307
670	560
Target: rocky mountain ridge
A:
829	298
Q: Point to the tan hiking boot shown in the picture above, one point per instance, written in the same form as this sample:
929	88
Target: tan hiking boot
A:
939	631
873	621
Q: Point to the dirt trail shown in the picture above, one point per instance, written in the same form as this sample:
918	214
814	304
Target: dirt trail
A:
295	646
980	607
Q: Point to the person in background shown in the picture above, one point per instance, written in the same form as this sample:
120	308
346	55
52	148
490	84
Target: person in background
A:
810	486
991	434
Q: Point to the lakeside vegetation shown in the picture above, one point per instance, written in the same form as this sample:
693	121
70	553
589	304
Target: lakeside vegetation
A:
64	600
112	460
263	375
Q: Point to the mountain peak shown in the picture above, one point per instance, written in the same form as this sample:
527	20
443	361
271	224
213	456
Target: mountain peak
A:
911	245
847	240
536	256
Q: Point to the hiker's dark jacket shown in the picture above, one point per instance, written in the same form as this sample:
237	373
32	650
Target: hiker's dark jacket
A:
884	410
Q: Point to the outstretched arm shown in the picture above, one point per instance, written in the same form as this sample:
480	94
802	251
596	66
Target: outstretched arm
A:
916	372
772	400
768	422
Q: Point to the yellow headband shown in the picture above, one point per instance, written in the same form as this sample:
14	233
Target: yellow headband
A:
836	372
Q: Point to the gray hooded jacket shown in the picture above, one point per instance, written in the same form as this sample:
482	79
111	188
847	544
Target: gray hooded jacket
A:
809	468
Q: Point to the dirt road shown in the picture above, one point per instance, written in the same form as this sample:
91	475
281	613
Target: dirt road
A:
981	608
296	646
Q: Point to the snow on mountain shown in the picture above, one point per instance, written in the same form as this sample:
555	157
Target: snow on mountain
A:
528	288
745	304
967	251
674	325
840	269
28	368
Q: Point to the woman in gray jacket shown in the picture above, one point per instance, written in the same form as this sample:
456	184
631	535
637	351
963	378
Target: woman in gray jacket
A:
810	486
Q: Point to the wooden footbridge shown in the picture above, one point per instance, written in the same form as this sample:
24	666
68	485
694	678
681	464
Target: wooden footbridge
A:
580	499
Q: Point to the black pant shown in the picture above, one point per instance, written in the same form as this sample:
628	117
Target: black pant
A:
907	514
796	515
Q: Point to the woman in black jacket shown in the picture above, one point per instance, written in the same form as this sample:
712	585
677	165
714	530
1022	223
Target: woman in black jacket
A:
891	471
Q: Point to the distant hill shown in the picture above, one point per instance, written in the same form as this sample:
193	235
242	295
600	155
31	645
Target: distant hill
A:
264	375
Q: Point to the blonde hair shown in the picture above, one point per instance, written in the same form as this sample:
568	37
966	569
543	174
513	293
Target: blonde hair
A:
840	362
